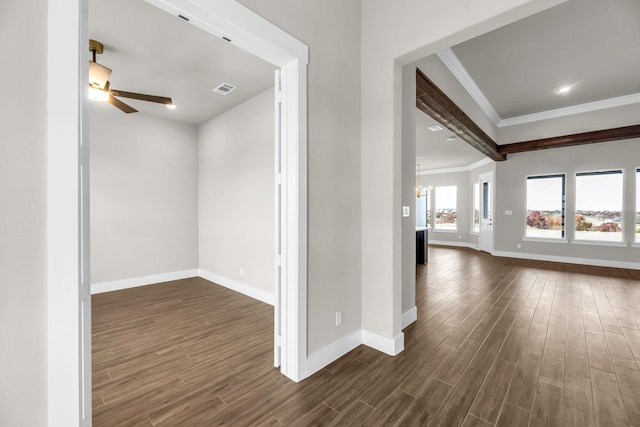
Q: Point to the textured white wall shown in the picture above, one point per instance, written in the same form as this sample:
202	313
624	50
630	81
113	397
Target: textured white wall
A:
23	214
144	195
331	29
236	193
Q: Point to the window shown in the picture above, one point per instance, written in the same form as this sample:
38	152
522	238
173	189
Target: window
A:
599	206
476	208
486	201
428	199
421	209
545	206
446	204
638	205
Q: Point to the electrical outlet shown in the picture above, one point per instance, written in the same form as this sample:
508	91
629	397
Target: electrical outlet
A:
338	318
406	211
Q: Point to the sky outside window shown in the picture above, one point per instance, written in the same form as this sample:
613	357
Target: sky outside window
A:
599	197
545	208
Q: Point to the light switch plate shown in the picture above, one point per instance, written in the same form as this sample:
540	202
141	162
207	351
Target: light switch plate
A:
508	212
406	211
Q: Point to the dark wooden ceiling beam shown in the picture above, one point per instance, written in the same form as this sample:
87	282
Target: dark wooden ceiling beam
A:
615	134
433	102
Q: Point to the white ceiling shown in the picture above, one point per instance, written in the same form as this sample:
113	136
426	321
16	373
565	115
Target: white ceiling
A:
155	53
433	151
589	44
514	72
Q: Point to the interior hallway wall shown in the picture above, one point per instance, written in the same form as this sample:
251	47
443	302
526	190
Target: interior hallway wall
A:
331	29
23	213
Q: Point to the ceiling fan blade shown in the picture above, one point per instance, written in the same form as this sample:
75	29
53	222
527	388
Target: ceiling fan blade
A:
142	96
121	105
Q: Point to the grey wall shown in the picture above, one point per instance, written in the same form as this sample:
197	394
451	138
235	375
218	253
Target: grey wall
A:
408	187
331	29
23	213
511	195
236	193
144	195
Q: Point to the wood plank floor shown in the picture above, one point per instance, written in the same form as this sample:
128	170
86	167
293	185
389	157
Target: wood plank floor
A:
498	342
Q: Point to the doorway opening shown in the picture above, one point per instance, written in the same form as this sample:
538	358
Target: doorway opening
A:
69	354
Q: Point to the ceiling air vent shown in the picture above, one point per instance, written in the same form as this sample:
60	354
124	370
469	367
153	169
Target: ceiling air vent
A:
224	88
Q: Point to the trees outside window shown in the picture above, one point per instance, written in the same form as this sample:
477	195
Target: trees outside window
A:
446	208
545	207
598	214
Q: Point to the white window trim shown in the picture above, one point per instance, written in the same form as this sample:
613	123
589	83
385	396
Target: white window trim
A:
564	239
599	243
545	240
434	210
622	216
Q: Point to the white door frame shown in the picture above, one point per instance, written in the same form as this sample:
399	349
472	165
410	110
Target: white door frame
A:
486	235
69	370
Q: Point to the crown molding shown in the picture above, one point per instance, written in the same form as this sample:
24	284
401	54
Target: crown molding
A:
467	168
454	65
456	68
603	104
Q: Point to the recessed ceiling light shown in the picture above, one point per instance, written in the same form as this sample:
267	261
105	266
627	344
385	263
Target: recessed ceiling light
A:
435	128
564	89
451	138
170	106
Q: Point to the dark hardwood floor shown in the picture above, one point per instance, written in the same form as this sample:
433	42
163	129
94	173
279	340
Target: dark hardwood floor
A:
497	342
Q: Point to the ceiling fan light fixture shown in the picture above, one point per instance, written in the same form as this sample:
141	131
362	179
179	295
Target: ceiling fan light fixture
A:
98	75
99	95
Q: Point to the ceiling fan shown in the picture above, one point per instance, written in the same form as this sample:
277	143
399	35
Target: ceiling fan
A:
100	90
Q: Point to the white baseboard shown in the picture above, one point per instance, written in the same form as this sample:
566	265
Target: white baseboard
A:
333	352
452	243
569	260
116	285
390	346
329	354
240	287
409	316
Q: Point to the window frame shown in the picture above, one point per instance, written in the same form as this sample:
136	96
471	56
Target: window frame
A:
583	241
475	196
563	233
434	219
636	222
